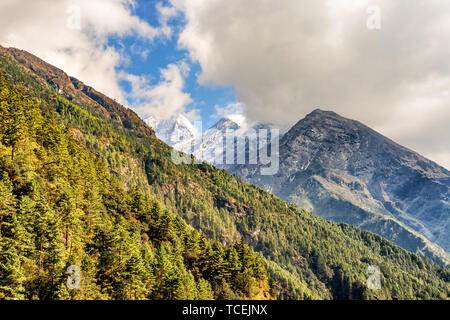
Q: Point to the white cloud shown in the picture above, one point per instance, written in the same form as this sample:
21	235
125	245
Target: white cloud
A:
163	100
233	111
166	13
193	115
288	57
78	44
73	35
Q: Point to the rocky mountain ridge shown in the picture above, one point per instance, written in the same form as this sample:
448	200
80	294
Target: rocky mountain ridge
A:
347	172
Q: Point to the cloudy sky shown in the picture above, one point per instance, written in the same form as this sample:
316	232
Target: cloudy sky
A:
383	62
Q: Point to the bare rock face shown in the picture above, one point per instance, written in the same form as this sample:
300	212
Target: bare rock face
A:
347	172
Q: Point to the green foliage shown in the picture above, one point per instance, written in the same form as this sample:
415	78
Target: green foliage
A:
61	206
130	245
306	256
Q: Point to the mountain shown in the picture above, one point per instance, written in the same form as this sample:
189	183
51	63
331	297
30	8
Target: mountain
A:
63	211
39	73
347	172
173	131
86	184
210	146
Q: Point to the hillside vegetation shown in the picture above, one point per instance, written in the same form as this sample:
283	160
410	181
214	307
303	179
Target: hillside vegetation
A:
306	257
61	207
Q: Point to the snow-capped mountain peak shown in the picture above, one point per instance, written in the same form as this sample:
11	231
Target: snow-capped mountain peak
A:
208	146
174	130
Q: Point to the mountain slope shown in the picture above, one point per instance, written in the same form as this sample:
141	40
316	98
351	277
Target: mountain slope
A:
346	172
42	73
60	209
306	256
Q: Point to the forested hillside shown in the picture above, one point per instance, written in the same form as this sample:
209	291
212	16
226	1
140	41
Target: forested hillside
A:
306	257
59	206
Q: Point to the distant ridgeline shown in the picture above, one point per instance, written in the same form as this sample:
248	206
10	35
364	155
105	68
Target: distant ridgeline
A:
86	185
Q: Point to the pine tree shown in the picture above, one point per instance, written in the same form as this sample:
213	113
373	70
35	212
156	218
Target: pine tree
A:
204	290
50	251
233	264
134	275
13	240
7	199
12	277
11	274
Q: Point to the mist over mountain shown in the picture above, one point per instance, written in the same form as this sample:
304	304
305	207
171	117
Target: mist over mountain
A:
85	182
347	172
